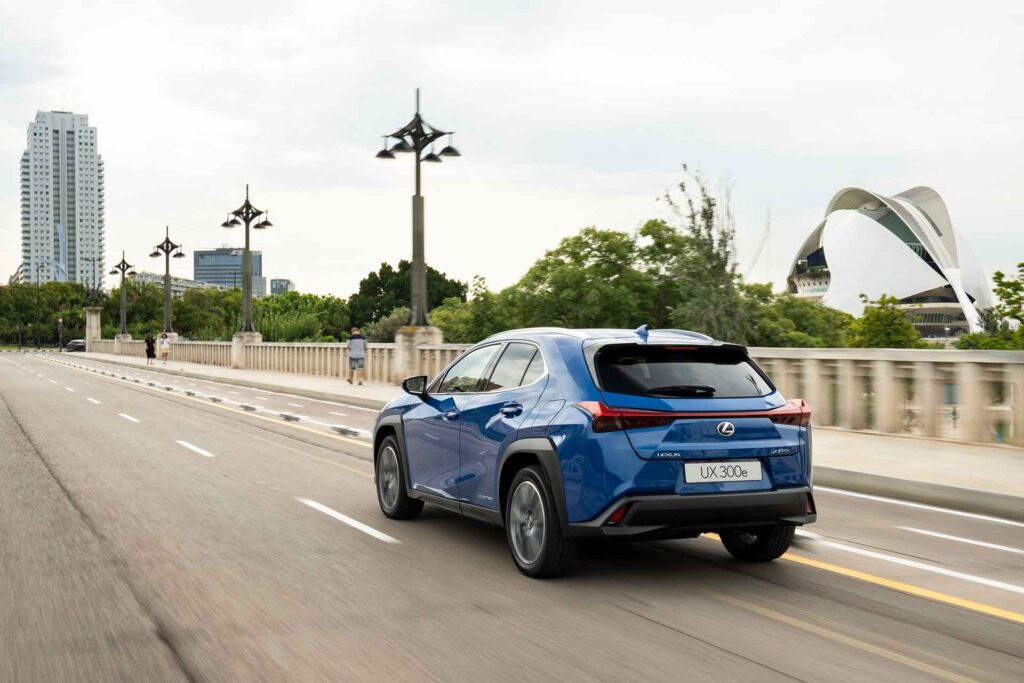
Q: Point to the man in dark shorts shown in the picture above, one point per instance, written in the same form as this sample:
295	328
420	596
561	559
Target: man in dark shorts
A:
356	356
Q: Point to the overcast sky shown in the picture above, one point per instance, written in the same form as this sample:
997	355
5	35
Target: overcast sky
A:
568	114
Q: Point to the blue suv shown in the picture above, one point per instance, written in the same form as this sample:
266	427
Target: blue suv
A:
559	435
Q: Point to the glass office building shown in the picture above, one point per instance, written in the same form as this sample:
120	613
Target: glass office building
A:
223	266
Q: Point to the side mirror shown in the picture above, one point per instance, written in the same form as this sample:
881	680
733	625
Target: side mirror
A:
417	386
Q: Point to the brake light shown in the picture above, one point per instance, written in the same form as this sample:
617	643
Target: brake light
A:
605	419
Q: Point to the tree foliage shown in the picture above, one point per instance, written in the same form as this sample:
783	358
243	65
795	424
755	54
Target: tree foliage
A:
388	288
884	325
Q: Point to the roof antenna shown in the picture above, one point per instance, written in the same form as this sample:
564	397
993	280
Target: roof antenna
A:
642	332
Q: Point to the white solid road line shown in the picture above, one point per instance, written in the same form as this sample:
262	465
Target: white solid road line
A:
129	417
195	449
355	524
960	539
920	506
295	405
820	540
260	398
92	400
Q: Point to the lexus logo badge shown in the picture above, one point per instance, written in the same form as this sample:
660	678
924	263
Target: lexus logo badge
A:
726	428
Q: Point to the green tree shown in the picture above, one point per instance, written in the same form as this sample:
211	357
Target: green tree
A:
207	314
785	320
1010	292
884	325
388	288
589	280
483	314
705	271
144	310
384	330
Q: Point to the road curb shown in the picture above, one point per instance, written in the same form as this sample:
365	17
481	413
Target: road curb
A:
966	500
276	388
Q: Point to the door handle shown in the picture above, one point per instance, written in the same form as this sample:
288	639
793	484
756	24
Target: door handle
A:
450	415
511	409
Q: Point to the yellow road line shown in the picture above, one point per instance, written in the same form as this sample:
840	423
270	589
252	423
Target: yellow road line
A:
902	587
223	406
861	645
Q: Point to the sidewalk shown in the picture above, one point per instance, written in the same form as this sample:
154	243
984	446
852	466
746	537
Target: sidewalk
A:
970	477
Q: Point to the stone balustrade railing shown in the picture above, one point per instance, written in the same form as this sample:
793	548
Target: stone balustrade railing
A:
329	360
973	396
964	395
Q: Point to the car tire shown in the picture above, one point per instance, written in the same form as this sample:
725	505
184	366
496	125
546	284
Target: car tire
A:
532	527
759	545
389	480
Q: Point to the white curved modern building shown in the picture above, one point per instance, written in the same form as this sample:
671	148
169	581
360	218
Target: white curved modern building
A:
904	246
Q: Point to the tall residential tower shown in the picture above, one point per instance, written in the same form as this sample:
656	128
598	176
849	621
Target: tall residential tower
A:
62	201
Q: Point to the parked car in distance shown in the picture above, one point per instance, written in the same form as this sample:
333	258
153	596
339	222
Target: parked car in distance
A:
559	435
75	345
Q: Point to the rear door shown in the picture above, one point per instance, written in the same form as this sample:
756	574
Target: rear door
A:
723	403
492	419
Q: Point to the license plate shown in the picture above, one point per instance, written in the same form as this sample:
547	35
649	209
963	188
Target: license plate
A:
722	470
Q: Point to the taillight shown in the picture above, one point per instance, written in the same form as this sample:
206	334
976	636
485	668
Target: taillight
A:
605	419
795	412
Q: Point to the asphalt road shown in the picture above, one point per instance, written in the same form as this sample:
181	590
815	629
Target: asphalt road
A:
149	535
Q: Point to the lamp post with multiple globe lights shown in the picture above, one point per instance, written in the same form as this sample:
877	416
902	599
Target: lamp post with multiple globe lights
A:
416	136
169	250
123	268
247	213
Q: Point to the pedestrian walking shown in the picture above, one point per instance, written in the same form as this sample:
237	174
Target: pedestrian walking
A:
165	347
356	356
150	348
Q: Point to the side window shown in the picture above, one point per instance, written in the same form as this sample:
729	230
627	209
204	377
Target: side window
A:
508	373
465	375
534	372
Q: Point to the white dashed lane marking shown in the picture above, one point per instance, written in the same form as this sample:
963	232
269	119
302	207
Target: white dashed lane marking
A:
195	449
345	519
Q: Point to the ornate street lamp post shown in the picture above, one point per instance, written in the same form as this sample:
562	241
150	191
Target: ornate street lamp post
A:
247	213
166	248
93	292
416	136
123	268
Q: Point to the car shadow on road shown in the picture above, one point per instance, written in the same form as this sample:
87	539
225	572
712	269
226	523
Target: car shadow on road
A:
599	559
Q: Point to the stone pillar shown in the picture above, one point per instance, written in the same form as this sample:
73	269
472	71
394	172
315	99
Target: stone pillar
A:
407	341
887	396
851	401
120	344
238	343
818	391
926	397
93	330
1015	384
972	402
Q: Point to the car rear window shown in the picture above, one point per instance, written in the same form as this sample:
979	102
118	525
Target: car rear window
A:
679	372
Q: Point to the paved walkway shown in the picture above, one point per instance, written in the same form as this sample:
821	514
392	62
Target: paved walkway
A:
940	472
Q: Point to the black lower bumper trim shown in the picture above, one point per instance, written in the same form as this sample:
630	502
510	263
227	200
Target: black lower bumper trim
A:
679	516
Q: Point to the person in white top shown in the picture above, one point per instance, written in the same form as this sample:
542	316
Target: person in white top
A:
165	347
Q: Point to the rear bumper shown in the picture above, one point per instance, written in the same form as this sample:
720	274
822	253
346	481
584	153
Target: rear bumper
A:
682	516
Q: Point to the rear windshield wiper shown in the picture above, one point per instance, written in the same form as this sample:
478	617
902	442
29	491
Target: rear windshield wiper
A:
684	390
